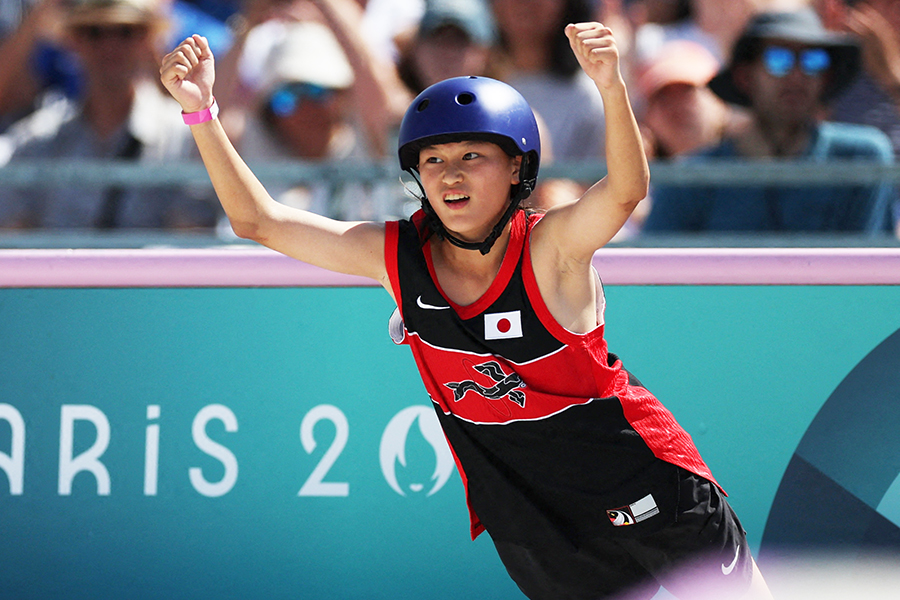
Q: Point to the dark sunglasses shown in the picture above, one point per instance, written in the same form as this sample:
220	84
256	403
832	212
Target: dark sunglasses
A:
779	60
96	33
287	99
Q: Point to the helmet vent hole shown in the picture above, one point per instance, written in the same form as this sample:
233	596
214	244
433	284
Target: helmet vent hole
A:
423	105
465	98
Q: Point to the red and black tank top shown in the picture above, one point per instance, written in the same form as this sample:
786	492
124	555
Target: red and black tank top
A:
550	433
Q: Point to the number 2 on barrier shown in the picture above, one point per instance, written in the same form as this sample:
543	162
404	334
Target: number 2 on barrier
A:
314	485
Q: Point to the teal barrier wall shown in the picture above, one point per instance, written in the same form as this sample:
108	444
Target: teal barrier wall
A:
249	443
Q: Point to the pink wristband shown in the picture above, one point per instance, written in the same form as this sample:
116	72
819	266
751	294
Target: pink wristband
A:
201	116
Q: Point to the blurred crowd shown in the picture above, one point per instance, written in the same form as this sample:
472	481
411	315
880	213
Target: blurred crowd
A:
328	81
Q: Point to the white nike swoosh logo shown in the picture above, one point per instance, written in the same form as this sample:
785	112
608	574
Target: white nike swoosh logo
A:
429	306
727	570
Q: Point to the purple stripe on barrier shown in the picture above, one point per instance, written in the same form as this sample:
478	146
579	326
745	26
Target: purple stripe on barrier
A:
260	267
749	266
238	267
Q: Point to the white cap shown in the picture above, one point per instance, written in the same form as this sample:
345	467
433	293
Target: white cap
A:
308	53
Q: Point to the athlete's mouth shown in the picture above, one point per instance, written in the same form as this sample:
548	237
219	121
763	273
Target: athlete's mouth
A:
455	198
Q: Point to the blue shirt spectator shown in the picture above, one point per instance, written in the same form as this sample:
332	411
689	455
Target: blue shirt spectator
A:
121	115
784	69
777	207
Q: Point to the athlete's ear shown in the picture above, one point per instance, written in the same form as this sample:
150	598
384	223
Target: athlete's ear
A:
517	167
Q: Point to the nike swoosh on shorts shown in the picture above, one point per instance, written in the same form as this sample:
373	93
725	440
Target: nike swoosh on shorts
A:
726	570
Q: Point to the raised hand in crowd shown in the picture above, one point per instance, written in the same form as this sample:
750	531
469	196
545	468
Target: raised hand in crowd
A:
880	42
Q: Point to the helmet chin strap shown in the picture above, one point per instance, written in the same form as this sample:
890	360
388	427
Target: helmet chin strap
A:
484	246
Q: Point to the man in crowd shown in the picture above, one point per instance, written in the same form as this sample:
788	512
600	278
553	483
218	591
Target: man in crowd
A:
785	69
120	114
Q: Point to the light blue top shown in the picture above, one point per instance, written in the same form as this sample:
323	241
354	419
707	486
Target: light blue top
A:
778	207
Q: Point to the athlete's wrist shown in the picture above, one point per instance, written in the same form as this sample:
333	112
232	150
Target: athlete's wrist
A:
201	116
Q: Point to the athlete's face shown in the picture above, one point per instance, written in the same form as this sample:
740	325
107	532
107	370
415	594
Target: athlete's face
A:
468	184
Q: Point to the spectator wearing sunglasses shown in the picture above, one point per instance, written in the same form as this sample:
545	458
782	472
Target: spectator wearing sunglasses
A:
784	70
36	61
120	114
306	111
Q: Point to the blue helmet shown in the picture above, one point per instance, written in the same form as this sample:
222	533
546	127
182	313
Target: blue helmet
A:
465	108
473	108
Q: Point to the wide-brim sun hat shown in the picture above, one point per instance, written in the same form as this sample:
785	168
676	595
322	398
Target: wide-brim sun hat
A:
803	27
84	13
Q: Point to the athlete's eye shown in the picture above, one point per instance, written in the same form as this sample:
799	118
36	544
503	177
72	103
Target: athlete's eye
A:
470	155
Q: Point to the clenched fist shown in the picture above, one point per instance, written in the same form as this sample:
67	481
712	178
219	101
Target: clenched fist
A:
188	72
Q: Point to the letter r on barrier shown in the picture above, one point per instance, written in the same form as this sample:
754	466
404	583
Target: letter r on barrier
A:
70	466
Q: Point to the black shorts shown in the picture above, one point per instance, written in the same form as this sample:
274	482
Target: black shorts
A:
704	554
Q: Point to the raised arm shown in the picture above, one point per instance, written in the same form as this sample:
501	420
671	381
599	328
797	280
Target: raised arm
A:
580	228
188	72
564	242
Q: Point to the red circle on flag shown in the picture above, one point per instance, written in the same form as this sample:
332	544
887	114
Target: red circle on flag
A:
503	325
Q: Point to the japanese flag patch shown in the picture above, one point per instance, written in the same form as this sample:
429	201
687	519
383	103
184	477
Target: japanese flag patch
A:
503	326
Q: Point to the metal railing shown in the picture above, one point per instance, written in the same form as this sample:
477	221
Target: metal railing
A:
54	173
51	173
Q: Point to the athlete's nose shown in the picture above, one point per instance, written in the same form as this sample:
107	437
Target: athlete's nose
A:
452	173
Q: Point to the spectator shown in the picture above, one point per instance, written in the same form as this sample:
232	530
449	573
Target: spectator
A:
257	27
36	63
534	57
647	25
711	23
454	38
785	68
378	95
380	98
122	114
681	113
305	112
